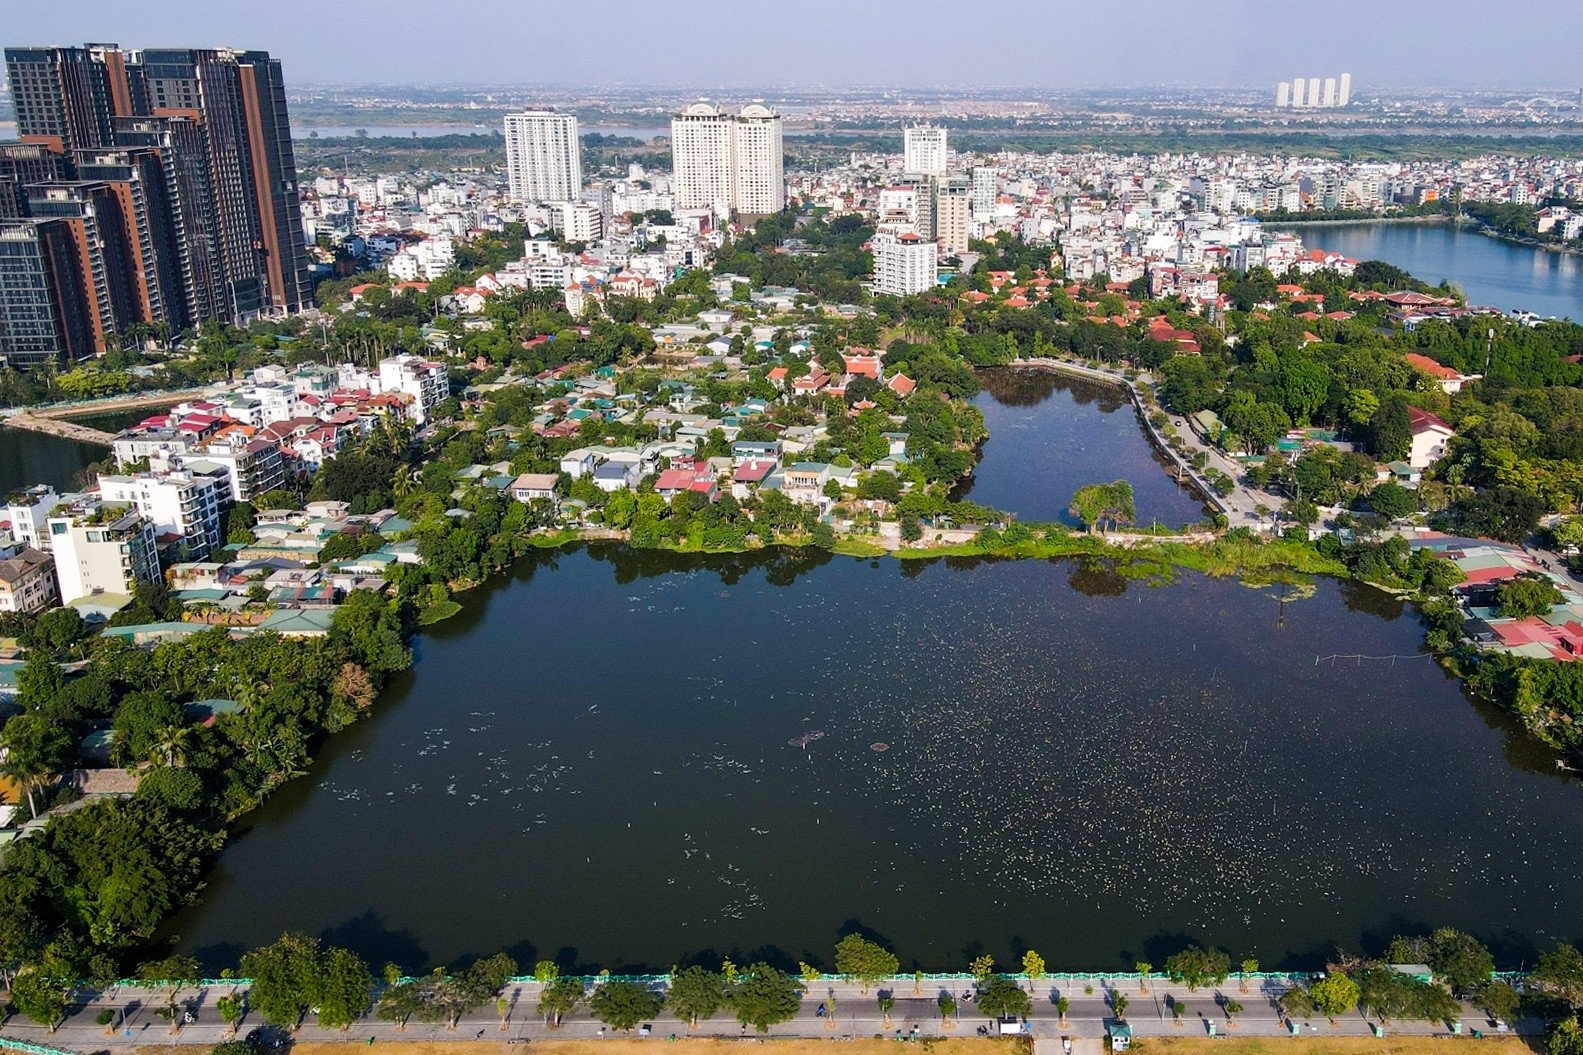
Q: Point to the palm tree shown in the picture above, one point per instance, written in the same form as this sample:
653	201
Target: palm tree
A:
170	743
405	482
35	749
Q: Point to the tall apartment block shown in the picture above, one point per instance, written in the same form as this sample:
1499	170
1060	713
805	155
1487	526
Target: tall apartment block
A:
543	156
728	162
180	163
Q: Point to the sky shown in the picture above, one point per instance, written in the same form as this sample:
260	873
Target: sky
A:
808	43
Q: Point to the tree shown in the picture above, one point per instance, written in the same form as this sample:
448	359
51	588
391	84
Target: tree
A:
560	998
1118	1004
887	1003
983	966
1565	1037
1460	960
36	749
1249	966
867	961
1032	966
230	1009
622	1005
1560	974
41	996
284	976
1144	970
1062	1006
1390	430
1196	966
1000	997
1392	501
1526	595
342	988
696	993
947	1004
762	996
1333	995
1232	1009
171	975
1099	504
1497	998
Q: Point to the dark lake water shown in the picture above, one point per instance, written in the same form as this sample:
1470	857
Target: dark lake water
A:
1492	272
1015	754
28	458
1050	435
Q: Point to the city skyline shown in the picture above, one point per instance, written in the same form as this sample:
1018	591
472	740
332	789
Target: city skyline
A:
1230	43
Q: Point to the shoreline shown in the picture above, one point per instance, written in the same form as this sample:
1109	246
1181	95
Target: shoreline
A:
1431	218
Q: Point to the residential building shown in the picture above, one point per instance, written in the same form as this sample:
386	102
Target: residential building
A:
102	548
924	150
23	164
543	156
757	162
427	383
1431	437
904	264
183	505
28	512
728	162
252	467
953	213
209	191
45	311
701	158
530	487
577	221
27	579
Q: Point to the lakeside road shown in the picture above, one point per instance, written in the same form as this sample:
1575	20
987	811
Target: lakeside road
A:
856	1015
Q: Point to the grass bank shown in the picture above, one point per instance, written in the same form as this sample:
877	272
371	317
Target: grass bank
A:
682	1046
1311	1045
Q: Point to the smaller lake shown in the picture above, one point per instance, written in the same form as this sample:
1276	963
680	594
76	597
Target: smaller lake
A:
28	458
1491	272
1050	434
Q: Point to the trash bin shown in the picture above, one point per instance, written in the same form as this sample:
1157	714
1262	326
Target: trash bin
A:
1292	1027
1379	1030
1211	1026
1456	1029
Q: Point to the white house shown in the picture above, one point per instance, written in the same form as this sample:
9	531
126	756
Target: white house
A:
1431	436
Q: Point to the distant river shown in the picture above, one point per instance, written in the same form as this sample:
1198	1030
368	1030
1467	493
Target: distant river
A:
1492	272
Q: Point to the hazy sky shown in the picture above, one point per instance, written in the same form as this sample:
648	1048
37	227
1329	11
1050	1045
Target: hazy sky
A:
1057	43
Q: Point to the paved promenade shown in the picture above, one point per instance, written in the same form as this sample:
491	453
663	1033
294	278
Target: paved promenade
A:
855	1014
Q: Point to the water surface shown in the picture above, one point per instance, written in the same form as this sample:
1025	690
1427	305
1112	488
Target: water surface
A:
1493	273
1050	434
602	760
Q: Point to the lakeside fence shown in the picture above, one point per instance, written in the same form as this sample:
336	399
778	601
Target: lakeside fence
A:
1106	979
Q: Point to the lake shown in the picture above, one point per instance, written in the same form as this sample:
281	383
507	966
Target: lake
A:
1050	434
28	458
1494	273
1012	754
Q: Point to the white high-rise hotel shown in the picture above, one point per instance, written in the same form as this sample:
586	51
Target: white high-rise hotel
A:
543	157
728	162
923	150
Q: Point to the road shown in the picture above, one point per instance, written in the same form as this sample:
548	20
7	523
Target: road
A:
856	1014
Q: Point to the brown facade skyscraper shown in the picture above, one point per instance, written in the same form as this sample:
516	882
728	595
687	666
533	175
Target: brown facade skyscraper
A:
195	147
